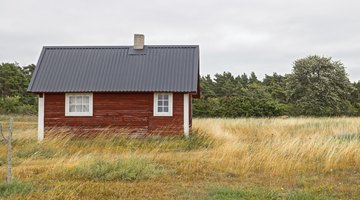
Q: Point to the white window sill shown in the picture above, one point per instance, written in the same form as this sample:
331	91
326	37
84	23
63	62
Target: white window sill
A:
79	114
163	114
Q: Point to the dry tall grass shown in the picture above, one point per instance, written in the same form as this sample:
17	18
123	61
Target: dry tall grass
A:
283	146
290	158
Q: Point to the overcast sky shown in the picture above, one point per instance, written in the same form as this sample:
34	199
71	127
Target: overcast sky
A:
263	36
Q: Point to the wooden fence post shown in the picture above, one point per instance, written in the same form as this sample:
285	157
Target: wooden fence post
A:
8	179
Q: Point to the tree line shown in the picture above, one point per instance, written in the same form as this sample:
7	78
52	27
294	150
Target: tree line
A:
316	86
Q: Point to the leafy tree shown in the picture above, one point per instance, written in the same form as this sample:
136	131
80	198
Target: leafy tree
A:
12	105
276	85
253	78
209	107
226	85
207	86
28	71
244	80
355	99
28	98
14	81
319	86
355	95
254	101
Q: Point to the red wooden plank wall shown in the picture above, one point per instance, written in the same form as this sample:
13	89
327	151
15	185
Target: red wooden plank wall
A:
117	110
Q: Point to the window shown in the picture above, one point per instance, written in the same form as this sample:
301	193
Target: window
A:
78	104
163	104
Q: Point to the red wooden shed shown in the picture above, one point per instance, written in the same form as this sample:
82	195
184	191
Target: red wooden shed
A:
141	88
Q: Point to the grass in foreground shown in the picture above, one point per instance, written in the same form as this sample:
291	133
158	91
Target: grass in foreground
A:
123	169
226	193
295	158
16	188
235	193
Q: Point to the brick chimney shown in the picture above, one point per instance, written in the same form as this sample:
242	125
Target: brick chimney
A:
139	40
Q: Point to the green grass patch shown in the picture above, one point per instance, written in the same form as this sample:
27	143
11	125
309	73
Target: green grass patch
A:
301	195
123	169
35	151
16	188
231	193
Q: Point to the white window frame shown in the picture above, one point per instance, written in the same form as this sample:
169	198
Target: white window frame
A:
67	102
167	114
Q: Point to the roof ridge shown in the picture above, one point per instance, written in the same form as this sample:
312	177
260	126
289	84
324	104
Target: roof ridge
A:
118	47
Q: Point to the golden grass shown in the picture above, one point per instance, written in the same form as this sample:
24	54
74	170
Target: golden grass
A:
283	146
316	156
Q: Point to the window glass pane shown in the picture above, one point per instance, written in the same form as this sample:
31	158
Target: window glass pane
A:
85	108
86	99
166	109
72	108
72	100
160	97
166	103
166	96
78	100
160	109
160	103
78	108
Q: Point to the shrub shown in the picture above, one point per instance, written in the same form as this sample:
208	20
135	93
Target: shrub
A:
15	106
123	169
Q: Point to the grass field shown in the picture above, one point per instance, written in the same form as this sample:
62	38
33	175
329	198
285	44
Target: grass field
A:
294	158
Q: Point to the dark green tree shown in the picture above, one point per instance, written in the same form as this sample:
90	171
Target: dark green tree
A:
276	85
244	80
207	86
12	81
28	98
253	78
226	85
255	102
319	86
355	99
28	71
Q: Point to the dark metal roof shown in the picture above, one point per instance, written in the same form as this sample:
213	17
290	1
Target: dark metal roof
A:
162	68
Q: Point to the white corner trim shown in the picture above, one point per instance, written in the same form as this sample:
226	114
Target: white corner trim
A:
164	114
41	107
186	115
90	113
